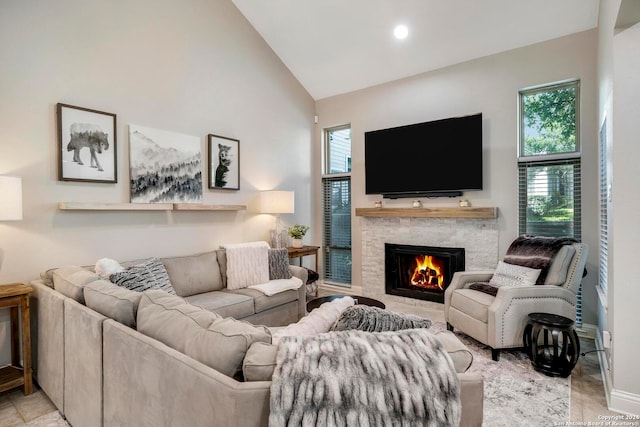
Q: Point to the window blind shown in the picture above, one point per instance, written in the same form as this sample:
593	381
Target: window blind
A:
550	202
604	212
337	229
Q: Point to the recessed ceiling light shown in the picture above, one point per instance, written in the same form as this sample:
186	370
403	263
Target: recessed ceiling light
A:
401	32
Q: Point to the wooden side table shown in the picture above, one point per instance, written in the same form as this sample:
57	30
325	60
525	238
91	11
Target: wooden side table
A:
304	251
16	297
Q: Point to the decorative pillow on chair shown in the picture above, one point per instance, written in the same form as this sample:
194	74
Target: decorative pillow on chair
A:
151	274
513	275
374	319
279	264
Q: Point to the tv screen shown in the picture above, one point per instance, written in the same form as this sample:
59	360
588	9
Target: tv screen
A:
437	158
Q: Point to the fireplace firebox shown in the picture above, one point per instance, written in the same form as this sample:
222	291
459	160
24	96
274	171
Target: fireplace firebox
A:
421	272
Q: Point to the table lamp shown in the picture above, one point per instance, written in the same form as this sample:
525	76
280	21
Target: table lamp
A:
10	198
276	203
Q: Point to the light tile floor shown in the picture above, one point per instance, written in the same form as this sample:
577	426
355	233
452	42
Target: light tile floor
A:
587	391
35	410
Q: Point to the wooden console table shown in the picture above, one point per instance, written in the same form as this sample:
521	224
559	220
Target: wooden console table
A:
304	251
16	297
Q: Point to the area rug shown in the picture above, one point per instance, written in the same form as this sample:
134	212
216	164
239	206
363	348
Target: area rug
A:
514	393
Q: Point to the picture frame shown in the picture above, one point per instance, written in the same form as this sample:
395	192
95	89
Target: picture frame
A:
224	162
164	166
80	128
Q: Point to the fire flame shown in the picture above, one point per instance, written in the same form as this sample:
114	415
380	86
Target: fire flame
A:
429	273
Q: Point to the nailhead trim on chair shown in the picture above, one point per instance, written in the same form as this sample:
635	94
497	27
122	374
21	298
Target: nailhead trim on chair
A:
523	298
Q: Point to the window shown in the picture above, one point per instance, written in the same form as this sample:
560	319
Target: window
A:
336	186
605	190
549	179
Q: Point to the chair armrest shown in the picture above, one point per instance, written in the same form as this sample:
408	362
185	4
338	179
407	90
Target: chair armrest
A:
462	279
509	311
506	295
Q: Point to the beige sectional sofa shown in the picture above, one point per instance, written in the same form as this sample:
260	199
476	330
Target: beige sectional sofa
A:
154	359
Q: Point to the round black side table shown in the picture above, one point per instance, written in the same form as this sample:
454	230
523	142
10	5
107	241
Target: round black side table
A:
552	344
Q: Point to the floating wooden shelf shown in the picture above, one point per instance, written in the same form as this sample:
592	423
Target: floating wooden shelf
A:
451	212
198	207
82	206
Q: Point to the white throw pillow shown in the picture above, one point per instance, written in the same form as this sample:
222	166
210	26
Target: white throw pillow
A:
512	275
247	264
105	267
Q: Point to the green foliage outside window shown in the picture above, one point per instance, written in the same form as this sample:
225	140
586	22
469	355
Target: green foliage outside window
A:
550	122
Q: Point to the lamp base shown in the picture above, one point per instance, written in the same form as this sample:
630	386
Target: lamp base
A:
278	240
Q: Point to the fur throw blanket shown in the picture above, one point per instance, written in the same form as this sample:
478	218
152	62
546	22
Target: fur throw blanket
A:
536	252
374	319
355	378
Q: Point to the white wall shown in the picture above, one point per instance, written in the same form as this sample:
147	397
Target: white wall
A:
625	293
190	66
619	91
489	85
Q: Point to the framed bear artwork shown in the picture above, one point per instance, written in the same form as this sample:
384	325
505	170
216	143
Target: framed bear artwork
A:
224	163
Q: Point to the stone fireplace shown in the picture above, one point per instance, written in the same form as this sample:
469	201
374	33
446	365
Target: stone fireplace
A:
478	236
421	272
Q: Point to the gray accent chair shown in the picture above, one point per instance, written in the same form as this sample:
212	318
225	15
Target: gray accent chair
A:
499	321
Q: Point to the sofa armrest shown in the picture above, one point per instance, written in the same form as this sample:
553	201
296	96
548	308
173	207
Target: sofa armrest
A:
472	398
301	273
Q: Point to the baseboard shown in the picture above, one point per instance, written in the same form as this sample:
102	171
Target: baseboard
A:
624	402
617	400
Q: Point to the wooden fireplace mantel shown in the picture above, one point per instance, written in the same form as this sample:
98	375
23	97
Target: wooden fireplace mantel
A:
444	212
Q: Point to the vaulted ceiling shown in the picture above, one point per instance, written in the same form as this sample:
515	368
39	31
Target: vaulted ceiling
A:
338	46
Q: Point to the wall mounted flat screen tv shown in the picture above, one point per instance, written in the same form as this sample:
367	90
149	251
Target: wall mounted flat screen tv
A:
432	159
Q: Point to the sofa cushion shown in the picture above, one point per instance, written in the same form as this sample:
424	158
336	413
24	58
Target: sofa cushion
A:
149	274
475	304
559	267
224	344
259	362
262	302
169	319
225	304
279	264
70	281
113	301
194	274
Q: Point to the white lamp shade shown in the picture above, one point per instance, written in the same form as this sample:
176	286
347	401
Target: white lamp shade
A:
277	202
10	198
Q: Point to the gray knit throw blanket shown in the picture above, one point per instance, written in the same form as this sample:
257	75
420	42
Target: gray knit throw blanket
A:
357	379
